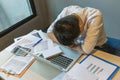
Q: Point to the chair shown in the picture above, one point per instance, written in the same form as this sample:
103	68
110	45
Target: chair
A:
114	46
115	43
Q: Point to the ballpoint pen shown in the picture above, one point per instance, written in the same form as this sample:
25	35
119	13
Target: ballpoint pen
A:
37	42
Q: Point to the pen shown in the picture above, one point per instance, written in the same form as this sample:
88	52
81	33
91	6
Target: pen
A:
37	42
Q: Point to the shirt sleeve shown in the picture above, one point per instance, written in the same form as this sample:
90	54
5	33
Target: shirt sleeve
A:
95	24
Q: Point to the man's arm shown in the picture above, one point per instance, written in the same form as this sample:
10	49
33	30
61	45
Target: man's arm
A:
92	34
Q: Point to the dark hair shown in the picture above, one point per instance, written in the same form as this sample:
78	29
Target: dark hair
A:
67	29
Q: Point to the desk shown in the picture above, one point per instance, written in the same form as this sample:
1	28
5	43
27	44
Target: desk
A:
110	58
42	71
37	71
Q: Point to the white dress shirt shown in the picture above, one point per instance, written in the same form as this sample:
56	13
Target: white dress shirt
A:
93	26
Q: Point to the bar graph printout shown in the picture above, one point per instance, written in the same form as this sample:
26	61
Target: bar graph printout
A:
79	72
99	67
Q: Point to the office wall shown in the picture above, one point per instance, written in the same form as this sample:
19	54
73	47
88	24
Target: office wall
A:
109	8
39	22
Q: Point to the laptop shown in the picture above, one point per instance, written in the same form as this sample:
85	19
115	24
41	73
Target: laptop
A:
63	61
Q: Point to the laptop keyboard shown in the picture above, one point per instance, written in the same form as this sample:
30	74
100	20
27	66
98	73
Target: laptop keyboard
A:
61	61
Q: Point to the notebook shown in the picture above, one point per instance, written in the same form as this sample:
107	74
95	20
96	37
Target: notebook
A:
63	61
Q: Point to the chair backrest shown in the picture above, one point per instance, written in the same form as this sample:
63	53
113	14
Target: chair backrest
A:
115	43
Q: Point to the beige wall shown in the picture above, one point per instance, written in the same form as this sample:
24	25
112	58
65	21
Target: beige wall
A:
39	22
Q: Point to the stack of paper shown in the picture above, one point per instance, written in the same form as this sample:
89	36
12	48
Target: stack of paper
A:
16	64
25	52
28	40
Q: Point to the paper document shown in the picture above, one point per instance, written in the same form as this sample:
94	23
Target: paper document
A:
51	52
43	46
39	34
31	41
16	64
35	33
79	72
27	40
99	67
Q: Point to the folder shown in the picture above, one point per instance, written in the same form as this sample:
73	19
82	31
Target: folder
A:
104	69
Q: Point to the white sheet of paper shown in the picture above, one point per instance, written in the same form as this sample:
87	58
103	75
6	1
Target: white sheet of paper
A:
43	46
28	39
51	52
98	67
16	64
78	72
42	34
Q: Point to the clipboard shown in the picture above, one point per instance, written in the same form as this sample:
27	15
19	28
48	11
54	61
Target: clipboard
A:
23	70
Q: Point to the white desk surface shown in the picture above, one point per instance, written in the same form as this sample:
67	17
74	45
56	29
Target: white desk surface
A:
42	71
37	71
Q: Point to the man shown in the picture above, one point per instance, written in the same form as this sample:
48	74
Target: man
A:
78	28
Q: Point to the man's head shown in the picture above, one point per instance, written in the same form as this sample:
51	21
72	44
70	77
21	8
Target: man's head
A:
67	29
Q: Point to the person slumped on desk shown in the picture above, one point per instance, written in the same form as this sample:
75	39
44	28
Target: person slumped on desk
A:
79	28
